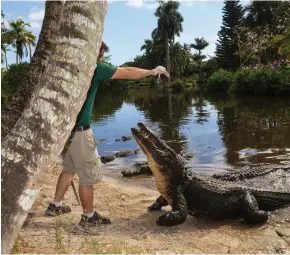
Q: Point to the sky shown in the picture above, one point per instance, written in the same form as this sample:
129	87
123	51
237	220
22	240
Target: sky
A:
129	23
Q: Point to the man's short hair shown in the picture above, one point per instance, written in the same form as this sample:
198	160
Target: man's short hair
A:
104	47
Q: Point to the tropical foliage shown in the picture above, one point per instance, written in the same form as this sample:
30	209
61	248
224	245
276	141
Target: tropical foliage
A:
256	34
18	37
261	81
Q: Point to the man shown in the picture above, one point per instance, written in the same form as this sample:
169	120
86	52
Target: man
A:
80	155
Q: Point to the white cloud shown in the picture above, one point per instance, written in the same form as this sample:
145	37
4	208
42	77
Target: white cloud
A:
36	13
188	3
34	9
35	25
142	4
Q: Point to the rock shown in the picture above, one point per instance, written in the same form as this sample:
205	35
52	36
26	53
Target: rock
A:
106	159
123	197
126	153
120	154
124	138
138	168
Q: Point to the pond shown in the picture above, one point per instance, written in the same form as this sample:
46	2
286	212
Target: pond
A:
220	131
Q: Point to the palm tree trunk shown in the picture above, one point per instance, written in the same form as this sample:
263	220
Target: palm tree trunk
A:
29	47
6	60
16	58
39	119
167	53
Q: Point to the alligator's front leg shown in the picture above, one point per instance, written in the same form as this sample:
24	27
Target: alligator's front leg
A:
179	210
252	213
158	204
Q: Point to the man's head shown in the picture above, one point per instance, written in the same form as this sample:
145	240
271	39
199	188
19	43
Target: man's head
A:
104	48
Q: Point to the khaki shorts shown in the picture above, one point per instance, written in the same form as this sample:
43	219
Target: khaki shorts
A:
80	155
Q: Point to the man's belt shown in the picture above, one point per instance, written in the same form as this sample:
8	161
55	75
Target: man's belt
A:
81	128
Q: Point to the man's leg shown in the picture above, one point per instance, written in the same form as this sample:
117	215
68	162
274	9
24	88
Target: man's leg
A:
57	207
64	180
86	193
89	174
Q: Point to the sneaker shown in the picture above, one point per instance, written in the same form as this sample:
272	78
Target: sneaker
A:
53	210
93	221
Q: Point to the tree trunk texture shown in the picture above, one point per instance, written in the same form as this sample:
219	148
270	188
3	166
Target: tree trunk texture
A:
167	55
6	60
38	121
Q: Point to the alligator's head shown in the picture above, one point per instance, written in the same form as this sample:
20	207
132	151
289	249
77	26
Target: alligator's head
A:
166	165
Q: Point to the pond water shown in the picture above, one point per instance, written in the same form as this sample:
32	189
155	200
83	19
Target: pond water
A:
220	131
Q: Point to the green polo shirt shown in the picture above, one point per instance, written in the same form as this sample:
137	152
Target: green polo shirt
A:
102	72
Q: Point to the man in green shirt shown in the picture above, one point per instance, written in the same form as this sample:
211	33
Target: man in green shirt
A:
80	154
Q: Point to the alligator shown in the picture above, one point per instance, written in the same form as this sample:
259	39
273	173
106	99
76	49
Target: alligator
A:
124	138
186	191
137	169
120	154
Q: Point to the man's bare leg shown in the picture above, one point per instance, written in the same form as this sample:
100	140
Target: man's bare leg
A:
86	193
57	207
64	180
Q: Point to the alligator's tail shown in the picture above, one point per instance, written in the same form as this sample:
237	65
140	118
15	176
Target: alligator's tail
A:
272	200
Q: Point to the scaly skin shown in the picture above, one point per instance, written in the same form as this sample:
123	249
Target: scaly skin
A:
186	191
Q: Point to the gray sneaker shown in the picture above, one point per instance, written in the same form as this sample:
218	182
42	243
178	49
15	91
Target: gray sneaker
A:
53	210
93	221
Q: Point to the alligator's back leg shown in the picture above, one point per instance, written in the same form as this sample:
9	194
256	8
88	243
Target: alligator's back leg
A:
179	210
252	213
247	173
158	204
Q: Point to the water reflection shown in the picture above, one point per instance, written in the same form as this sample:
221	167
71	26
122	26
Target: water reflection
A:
221	131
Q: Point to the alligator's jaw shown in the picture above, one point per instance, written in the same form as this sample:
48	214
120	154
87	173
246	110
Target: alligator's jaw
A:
163	161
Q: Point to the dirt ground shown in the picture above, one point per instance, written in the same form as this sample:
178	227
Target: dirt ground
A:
133	229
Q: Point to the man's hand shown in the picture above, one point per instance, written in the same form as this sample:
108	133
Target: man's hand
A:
160	70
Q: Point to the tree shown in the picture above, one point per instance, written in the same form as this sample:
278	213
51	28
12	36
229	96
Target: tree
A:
6	40
283	42
29	38
169	24
5	49
267	19
227	46
181	59
18	32
38	120
199	45
147	46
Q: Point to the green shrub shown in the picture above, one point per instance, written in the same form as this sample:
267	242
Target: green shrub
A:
177	85
220	81
11	80
261	82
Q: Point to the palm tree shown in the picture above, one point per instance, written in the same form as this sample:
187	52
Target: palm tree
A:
147	46
29	38
4	49
20	35
199	45
22	134
180	59
169	24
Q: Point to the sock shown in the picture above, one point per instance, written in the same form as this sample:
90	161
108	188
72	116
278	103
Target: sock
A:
57	204
89	215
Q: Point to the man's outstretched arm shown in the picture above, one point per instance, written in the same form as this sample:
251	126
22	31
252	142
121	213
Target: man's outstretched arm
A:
134	73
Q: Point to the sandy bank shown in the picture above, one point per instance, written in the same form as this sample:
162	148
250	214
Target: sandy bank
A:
133	229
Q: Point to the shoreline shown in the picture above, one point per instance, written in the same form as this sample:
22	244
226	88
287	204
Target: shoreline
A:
133	229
